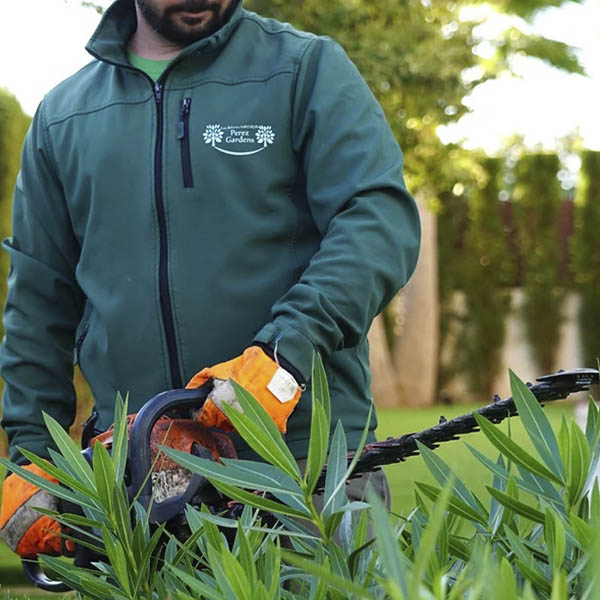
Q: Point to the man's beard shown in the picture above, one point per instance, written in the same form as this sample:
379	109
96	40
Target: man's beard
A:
164	23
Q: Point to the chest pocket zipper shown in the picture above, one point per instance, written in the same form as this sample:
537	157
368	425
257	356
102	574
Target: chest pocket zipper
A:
183	135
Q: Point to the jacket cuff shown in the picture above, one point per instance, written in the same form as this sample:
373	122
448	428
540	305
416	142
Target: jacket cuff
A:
292	346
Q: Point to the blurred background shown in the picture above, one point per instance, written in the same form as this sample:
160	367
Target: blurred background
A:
495	106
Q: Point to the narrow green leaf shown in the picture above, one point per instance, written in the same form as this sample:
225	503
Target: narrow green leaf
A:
44	484
356	556
292	528
357	452
211	533
59	461
584	533
592	425
513	451
442	473
203	590
563	440
122	515
508	580
537	425
519	548
429	538
516	506
338	560
361	530
142	519
528	592
119	445
272	567
458	548
332	522
236	577
392	559
318	585
146	565
80	580
319	385
60	475
579	462
455	504
496	509
216	561
325	573
420	504
245	474
104	475
318	444
260	432
70	519
442	550
595	503
336	467
556	539
116	557
246	556
258	501
170	550
560	587
541	488
537	578
70	451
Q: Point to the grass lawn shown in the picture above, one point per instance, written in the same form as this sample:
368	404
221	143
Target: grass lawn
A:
401	476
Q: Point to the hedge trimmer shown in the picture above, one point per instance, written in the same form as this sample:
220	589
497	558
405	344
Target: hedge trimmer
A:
167	419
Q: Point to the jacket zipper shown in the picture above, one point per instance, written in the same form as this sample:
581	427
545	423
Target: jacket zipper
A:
163	271
183	135
79	342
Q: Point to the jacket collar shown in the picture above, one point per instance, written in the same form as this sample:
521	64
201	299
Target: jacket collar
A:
109	41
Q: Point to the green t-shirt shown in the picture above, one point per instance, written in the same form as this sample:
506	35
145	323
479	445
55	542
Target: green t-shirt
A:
152	68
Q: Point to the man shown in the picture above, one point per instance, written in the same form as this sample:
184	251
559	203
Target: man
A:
215	184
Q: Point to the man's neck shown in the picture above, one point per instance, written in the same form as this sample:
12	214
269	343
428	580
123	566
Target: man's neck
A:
146	42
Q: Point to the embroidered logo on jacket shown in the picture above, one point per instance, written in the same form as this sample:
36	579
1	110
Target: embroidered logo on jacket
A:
239	140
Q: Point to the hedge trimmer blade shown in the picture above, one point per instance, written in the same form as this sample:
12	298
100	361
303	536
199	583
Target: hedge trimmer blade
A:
556	386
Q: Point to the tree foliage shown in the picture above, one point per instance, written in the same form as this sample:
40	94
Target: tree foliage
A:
487	276
13	126
414	55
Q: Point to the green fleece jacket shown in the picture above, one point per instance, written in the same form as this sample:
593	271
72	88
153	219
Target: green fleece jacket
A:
253	194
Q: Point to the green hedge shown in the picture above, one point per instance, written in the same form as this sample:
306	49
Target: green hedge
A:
585	249
537	197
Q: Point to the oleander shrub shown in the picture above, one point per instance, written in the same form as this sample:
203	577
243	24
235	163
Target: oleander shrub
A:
534	536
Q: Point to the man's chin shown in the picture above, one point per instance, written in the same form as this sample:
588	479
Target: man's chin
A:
195	25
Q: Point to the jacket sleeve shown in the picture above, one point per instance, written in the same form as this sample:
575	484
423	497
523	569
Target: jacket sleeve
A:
368	221
43	303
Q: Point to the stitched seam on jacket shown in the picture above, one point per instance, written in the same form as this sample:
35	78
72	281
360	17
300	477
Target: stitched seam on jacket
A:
257	79
294	89
249	16
90	111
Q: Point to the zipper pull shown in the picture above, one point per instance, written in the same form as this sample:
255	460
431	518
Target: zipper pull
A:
185	107
158	92
184	114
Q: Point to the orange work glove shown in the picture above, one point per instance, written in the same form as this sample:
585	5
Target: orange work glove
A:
26	531
276	389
